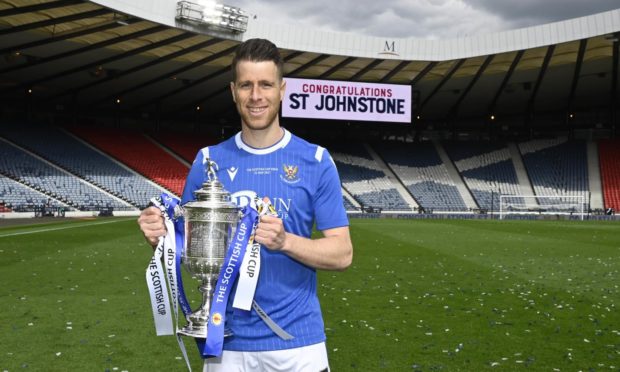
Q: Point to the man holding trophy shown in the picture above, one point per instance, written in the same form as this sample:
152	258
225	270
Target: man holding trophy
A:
284	330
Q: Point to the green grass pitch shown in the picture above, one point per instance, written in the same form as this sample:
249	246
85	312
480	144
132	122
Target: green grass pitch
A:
421	295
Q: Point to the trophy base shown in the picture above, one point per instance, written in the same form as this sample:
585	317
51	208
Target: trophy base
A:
197	331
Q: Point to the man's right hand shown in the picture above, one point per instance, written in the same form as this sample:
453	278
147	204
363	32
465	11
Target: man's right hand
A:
152	225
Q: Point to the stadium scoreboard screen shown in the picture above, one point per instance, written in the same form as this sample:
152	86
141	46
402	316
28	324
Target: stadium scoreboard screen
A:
344	100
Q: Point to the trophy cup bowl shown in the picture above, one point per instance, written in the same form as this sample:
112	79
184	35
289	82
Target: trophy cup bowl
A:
209	225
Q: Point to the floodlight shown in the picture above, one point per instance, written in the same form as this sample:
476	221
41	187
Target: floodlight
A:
213	14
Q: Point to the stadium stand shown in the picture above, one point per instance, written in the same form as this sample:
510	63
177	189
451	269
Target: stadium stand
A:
185	145
71	154
57	169
421	170
14	196
609	153
139	153
556	167
364	179
348	205
486	168
39	175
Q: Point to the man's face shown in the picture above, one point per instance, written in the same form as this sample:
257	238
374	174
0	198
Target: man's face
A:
257	92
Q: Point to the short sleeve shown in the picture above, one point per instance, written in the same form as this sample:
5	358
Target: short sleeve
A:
194	179
328	203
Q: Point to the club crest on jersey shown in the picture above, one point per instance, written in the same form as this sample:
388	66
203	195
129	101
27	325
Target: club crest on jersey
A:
290	173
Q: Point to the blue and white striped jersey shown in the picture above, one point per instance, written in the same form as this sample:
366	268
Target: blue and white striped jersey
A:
302	183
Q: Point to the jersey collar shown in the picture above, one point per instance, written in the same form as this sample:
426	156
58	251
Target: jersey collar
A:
263	151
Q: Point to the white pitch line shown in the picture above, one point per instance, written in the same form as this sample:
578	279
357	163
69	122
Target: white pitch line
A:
59	228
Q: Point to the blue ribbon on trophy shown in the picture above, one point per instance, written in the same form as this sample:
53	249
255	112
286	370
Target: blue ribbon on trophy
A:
228	275
172	244
250	267
200	237
171	205
241	249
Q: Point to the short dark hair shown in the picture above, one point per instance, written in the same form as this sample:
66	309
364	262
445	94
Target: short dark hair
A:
257	50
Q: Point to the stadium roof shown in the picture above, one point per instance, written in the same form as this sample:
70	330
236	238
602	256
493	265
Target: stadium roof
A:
134	57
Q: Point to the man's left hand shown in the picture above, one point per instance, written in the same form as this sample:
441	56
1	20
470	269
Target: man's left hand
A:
270	232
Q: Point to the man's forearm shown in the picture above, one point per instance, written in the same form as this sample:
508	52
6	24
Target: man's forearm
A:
334	251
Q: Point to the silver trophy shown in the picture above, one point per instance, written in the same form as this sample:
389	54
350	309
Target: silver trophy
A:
209	225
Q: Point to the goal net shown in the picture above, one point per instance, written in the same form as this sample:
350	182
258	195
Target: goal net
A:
559	205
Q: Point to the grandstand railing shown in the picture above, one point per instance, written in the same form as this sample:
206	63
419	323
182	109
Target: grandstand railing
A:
567	205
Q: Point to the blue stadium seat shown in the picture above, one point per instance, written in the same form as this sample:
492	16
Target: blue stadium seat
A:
59	185
556	167
364	179
487	170
421	170
75	156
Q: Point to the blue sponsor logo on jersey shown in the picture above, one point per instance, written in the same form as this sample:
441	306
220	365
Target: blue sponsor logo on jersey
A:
243	198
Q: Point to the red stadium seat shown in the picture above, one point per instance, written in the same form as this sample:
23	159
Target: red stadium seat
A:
139	153
184	145
609	153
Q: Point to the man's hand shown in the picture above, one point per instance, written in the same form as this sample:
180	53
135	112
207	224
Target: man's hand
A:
270	232
333	251
152	225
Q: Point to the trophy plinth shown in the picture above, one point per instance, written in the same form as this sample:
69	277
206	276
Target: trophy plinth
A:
209	225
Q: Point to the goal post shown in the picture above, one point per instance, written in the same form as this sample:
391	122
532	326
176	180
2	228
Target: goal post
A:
559	205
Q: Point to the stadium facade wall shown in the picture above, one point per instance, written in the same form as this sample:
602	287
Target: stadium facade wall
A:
311	40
